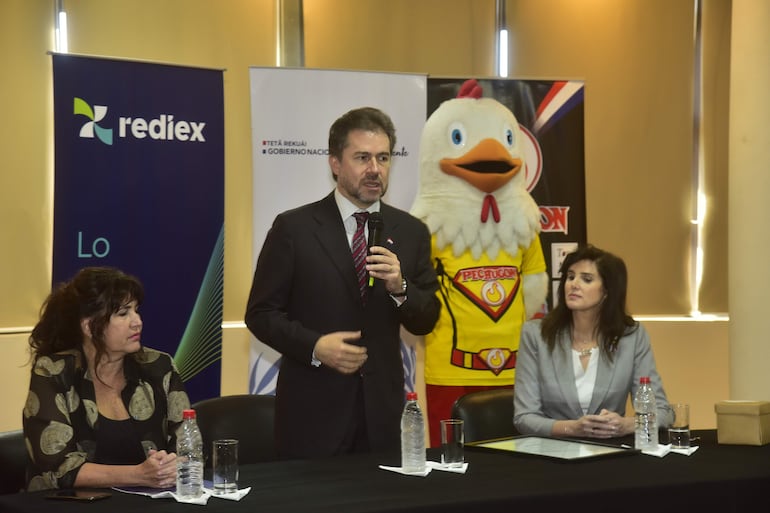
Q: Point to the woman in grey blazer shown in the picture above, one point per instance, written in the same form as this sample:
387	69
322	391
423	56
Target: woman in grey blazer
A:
577	366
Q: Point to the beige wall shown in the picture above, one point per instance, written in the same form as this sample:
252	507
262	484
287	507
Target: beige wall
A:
637	62
26	159
638	135
749	186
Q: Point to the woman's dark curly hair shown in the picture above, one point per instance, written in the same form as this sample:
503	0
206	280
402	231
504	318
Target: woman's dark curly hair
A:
94	293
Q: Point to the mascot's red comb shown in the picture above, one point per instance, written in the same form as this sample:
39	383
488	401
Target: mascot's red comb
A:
470	89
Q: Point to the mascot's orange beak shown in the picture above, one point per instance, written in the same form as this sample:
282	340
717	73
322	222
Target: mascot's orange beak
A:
487	166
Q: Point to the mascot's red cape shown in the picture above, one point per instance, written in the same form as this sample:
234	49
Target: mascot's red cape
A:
485	243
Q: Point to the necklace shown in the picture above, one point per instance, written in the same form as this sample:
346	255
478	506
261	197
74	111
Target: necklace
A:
586	351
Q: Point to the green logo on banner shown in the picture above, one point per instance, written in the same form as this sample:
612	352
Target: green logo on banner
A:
95	114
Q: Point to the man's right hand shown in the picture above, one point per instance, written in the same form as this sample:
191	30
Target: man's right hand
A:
335	350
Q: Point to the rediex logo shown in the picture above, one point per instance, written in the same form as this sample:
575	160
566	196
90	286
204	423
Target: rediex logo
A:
161	128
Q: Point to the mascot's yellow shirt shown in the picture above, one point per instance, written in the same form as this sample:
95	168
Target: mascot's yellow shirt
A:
477	334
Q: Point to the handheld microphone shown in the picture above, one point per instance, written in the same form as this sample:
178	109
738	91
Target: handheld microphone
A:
376	227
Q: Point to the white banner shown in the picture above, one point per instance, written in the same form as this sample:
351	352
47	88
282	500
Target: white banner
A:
291	112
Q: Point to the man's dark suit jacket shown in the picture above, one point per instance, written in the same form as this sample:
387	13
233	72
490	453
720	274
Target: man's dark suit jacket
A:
305	286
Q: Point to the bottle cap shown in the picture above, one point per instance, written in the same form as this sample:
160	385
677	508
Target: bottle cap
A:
644	380
188	414
411	396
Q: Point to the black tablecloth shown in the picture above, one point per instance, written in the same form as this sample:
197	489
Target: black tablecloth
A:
715	478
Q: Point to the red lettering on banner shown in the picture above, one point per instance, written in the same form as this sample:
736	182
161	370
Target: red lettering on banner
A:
554	219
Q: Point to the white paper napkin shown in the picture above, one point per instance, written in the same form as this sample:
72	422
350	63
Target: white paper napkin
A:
154	493
687	451
401	471
429	465
170	494
202	500
232	496
660	451
446	468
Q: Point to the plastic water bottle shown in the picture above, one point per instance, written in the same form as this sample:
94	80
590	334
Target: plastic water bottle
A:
646	429
412	436
189	457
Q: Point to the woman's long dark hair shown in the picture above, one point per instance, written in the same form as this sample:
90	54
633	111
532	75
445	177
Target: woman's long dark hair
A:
614	321
94	293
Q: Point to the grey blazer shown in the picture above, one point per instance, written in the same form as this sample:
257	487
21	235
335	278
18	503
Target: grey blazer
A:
545	388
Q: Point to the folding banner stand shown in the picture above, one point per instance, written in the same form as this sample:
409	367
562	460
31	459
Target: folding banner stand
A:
139	185
291	112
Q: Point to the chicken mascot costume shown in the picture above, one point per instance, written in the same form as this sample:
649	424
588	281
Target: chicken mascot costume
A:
485	245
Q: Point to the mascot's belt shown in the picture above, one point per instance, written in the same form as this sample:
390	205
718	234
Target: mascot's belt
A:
496	359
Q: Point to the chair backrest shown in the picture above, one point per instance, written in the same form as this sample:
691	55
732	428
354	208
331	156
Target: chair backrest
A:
13	461
249	418
486	414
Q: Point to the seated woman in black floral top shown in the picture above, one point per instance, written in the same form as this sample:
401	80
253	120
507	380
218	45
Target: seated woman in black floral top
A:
102	410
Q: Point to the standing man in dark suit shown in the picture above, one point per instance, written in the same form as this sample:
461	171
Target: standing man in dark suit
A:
341	383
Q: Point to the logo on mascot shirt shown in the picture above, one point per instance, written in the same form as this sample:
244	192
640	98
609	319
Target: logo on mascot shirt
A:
491	287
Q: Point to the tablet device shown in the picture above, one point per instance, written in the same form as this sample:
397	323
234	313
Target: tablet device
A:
79	495
555	448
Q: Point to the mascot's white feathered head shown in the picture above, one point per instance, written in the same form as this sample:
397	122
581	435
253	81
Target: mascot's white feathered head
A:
472	191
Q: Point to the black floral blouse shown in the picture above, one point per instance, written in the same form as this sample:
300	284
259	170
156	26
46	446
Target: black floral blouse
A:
60	415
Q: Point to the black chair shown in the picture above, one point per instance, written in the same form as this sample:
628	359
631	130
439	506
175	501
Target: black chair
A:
13	461
486	414
248	418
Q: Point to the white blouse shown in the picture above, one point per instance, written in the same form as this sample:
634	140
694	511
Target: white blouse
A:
585	378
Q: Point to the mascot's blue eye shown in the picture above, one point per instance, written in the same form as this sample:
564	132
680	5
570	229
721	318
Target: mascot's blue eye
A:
509	137
457	134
